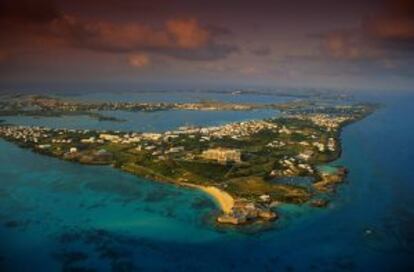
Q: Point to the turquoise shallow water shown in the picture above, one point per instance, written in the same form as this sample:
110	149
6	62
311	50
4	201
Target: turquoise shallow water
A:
55	215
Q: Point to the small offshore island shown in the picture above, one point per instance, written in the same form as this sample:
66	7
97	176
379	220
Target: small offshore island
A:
243	165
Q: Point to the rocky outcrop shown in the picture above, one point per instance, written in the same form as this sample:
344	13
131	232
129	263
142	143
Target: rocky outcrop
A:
247	212
231	219
319	203
329	180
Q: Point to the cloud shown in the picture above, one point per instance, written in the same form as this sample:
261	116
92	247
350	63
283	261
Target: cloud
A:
387	34
187	33
139	60
178	37
393	29
389	28
340	45
4	55
23	23
110	36
348	45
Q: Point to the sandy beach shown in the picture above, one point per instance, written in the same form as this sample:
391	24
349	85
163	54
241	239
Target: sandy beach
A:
225	200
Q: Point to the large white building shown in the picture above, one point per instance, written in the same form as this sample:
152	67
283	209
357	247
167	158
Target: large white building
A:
222	154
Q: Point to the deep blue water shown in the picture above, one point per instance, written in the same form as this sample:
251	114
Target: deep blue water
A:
57	215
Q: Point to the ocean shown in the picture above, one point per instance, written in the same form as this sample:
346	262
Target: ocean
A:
60	216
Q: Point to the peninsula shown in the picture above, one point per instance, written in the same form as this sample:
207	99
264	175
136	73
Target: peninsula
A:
246	166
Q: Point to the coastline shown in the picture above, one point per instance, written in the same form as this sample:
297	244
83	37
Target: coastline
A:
251	200
224	199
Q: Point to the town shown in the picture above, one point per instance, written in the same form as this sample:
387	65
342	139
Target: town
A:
242	164
46	105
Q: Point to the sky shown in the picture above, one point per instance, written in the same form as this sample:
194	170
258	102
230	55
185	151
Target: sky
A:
197	44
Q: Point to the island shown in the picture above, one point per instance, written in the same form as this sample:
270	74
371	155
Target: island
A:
248	167
45	105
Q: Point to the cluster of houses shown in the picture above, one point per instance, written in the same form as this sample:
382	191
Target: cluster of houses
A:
292	167
25	134
150	142
45	102
52	103
330	122
322	147
212	106
129	138
45	137
276	144
233	130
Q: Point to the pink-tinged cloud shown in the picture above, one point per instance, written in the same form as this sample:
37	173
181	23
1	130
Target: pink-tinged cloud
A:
389	28
23	26
111	36
341	45
395	24
348	45
188	33
4	55
385	34
139	60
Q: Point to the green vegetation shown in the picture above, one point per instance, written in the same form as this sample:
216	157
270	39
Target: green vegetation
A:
260	152
253	187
